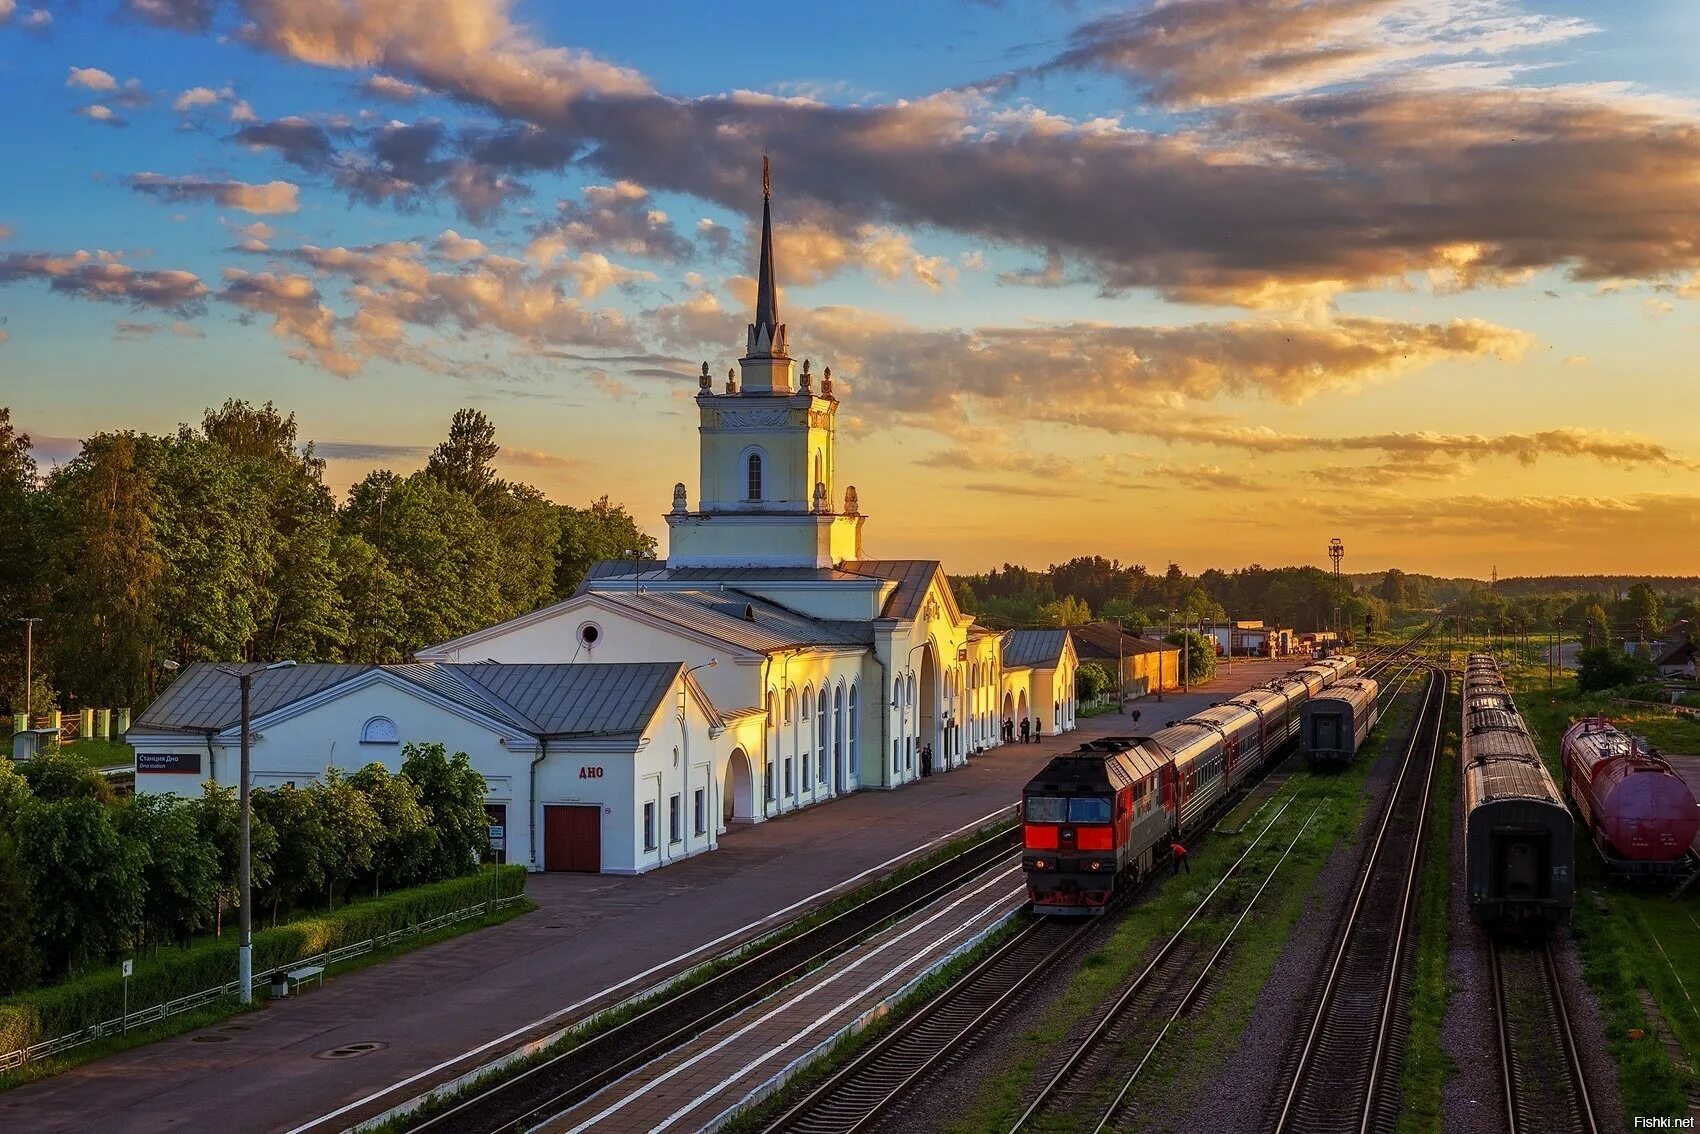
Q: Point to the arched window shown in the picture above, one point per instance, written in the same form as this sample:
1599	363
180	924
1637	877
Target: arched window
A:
790	704
910	691
772	709
380	730
806	702
854	726
753	468
822	721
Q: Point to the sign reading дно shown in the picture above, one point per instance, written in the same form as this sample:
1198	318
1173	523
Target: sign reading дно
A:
186	762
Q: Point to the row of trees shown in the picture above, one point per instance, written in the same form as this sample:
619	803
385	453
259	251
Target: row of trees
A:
1641	612
1075	592
85	877
224	542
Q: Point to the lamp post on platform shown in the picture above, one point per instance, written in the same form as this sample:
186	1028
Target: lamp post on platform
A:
244	858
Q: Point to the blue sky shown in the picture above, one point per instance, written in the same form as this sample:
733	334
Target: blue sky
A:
1144	263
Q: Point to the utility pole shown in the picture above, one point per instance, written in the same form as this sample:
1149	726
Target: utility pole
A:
29	668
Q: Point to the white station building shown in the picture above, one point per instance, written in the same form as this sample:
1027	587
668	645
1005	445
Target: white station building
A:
765	665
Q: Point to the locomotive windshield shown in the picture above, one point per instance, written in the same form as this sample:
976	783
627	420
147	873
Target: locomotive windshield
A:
1068	809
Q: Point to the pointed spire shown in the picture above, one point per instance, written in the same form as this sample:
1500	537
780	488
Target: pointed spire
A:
766	334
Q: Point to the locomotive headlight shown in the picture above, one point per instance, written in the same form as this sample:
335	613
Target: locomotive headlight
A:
1095	865
1040	864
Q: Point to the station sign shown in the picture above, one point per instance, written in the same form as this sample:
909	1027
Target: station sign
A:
591	773
185	763
498	838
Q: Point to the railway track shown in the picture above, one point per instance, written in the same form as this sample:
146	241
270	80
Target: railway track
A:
1169	981
1541	1072
1344	1075
547	1088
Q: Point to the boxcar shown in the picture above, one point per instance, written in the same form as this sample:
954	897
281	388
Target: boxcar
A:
1335	723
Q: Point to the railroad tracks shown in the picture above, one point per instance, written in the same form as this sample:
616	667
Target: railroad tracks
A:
1546	1088
1344	1075
549	1087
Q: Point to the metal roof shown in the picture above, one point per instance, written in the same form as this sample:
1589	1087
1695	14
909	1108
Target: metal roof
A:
204	699
593	698
656	570
1034	647
553	699
911	576
742	620
1098	640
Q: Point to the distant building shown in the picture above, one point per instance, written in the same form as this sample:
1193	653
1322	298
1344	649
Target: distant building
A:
1250	638
1146	665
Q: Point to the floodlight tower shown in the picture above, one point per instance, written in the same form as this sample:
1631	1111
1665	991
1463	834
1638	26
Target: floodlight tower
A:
1336	552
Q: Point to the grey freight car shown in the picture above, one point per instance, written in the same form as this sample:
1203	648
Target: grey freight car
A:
1519	838
1334	724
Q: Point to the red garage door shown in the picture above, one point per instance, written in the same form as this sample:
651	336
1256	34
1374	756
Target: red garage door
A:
572	839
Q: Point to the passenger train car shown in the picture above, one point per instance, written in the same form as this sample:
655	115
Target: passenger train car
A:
1640	812
1106	812
1519	837
1334	724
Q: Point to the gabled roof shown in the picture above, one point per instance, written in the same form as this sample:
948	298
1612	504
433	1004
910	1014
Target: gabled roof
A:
1099	640
1043	648
912	577
656	571
739	619
1678	653
203	699
558	699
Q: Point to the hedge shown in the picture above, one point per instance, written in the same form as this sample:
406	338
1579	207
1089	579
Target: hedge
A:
31	1017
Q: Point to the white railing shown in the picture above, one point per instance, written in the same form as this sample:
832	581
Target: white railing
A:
17	1057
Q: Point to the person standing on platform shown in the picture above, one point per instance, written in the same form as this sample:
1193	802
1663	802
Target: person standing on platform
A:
926	760
1025	726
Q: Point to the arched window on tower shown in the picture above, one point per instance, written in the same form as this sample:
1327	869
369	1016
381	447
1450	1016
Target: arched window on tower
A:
753	466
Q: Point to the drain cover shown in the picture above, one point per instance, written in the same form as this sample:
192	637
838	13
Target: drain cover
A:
350	1050
209	1039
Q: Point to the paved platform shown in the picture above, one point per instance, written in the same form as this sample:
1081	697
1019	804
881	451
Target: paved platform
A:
689	1089
444	1009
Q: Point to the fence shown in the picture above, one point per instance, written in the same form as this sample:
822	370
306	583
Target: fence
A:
17	1057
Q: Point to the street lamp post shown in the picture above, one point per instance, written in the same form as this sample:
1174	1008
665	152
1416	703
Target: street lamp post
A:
244	858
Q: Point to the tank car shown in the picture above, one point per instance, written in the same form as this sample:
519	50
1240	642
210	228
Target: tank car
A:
1089	817
1640	812
1335	723
1519	837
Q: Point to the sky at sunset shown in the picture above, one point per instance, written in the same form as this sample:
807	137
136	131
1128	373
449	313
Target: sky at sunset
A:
1202	281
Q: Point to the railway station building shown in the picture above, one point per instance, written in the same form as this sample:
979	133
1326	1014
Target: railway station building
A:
767	664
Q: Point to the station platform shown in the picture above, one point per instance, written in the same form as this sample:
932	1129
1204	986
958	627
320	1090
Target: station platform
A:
443	1010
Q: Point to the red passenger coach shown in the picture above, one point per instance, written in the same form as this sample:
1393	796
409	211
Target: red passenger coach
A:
1639	809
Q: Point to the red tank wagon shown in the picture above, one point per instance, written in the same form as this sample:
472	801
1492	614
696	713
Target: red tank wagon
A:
1639	809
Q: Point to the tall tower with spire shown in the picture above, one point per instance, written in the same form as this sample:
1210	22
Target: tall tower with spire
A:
767	494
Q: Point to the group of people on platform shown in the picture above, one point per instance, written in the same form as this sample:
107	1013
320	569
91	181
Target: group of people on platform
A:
1028	727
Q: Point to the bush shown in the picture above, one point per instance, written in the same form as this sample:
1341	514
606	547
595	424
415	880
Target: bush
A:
1092	681
1601	667
49	1012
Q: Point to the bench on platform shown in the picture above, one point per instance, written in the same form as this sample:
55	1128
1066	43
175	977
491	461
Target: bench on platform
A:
298	977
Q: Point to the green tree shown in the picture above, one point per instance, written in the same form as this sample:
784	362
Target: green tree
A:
300	862
1601	667
403	850
181	882
108	567
350	830
373	603
603	530
454	794
84	878
462	463
20	964
1068	611
15	793
1130	613
1642	608
1392	589
56	775
218	824
1092	681
1198	606
1596	627
1200	658
528	537
22	574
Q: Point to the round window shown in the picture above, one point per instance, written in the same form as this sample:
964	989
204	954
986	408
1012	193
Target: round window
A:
589	633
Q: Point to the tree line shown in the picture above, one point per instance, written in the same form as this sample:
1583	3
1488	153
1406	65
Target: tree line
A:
86	877
223	542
